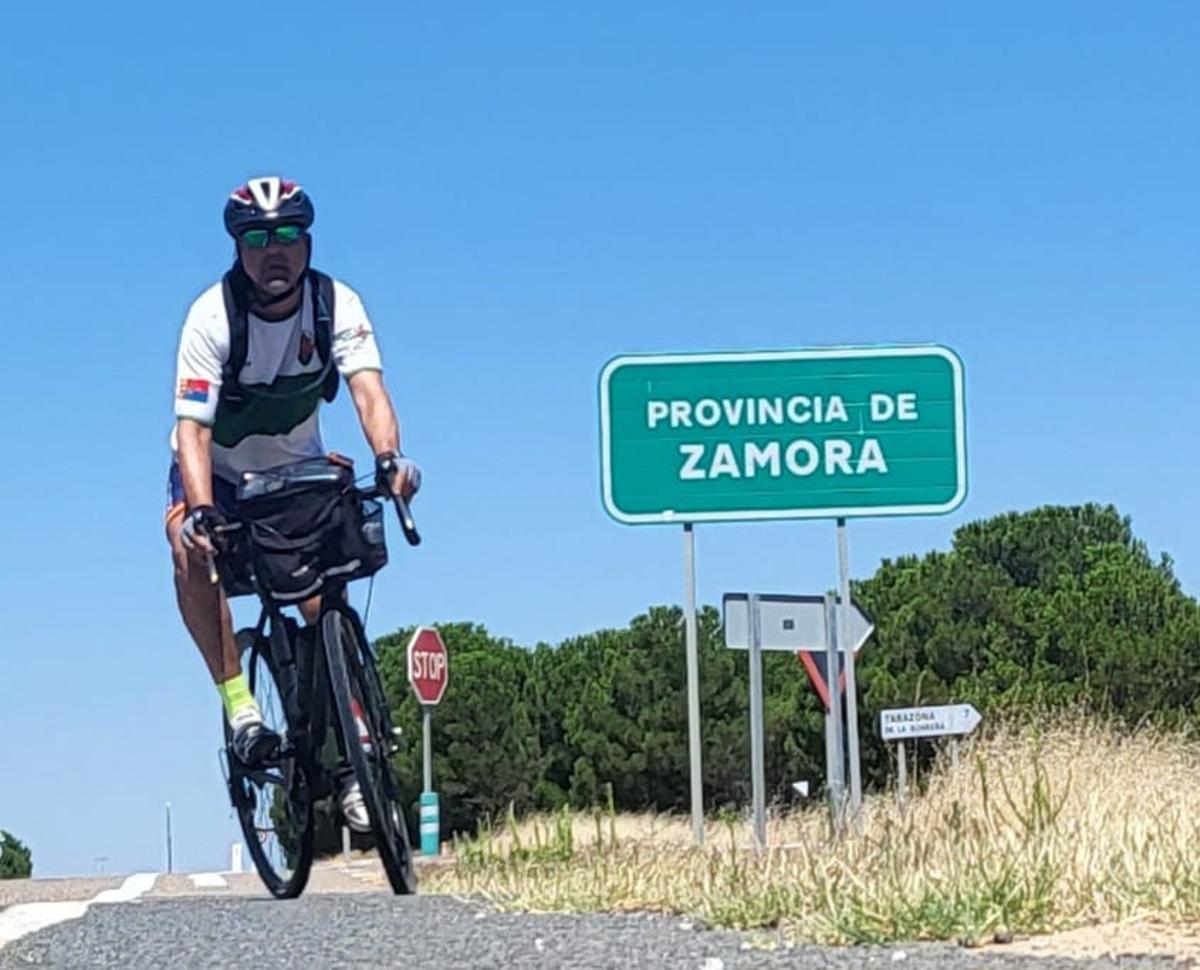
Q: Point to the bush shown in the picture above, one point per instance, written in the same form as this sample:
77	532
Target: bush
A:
16	862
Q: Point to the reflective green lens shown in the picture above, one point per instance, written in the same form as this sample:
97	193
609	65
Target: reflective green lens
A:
256	238
288	235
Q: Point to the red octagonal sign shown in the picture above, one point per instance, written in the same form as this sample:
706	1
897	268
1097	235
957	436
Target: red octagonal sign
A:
428	665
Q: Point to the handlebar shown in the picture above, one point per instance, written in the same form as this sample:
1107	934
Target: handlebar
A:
407	523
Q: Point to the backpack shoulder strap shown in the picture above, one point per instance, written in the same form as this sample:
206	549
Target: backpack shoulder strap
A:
239	339
323	307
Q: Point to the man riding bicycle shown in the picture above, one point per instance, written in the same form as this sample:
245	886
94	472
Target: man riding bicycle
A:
258	353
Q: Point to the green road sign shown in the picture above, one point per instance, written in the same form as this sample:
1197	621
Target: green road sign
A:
783	435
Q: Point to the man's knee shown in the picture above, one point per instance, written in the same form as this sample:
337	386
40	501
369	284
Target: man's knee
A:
179	555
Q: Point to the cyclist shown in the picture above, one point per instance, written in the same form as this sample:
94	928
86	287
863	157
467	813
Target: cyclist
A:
264	416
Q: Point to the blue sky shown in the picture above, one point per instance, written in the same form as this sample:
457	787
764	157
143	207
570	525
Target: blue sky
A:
521	191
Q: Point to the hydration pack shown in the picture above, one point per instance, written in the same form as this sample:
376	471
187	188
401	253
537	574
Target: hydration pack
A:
234	286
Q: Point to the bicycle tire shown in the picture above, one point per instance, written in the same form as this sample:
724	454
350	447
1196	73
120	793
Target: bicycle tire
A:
283	861
348	662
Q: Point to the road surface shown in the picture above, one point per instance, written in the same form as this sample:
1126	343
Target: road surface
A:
224	921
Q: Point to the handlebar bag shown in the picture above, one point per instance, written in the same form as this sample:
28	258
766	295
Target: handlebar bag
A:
304	525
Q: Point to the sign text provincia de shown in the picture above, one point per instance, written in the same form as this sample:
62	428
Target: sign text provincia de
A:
786	434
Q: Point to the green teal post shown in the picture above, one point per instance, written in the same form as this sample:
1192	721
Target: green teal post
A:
430	823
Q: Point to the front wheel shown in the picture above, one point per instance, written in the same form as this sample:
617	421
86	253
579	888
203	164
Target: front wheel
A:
273	801
366	731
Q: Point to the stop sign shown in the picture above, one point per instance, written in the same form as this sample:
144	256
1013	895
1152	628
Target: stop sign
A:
428	665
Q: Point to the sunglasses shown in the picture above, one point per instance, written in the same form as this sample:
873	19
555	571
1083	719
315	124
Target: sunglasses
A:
261	238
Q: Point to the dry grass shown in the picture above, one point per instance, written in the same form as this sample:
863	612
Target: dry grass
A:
1072	825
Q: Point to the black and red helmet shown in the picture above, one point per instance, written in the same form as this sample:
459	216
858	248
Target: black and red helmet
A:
267	201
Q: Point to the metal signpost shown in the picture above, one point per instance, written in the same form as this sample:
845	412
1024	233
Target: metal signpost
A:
835	743
795	624
428	673
693	683
905	723
758	781
833	434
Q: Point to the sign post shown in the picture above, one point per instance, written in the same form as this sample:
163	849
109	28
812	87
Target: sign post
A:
804	625
428	673
948	720
693	684
835	747
851	679
758	781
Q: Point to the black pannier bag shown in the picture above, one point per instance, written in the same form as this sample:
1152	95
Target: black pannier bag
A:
304	525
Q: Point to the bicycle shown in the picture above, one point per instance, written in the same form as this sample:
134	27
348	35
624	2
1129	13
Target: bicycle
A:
307	681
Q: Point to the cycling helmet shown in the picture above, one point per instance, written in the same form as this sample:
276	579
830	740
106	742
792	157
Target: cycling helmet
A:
267	201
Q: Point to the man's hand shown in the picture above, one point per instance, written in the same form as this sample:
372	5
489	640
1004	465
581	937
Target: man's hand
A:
397	475
197	532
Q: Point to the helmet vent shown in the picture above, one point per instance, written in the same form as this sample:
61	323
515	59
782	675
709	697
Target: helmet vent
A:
266	192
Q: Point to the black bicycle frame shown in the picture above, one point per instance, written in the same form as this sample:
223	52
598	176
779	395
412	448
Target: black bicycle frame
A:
301	672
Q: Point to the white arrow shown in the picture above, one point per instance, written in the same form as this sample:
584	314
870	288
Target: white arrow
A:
928	722
788	623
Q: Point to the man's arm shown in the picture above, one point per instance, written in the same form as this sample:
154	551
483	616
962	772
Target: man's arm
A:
382	430
195	461
375	411
194	453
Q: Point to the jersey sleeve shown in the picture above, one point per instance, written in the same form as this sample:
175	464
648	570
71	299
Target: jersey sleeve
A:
203	348
354	346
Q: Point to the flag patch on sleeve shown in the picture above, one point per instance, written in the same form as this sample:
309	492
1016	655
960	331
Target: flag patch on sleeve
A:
191	389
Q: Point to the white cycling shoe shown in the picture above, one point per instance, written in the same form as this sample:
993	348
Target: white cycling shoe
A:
253	742
354	808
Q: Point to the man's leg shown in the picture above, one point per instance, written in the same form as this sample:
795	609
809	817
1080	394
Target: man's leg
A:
205	611
310	609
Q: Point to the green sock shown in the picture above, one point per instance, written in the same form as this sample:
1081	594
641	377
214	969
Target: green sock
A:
236	696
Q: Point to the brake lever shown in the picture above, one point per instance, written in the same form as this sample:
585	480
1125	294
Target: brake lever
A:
406	521
210	559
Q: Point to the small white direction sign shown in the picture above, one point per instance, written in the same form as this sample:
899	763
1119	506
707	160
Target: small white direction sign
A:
788	623
928	722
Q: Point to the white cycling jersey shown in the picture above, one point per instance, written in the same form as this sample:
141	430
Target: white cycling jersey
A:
279	426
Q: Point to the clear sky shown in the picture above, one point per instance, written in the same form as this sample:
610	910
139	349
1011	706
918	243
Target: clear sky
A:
520	191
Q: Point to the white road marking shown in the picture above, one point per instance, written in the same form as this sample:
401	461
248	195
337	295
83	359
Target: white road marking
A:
130	890
25	918
209	880
18	921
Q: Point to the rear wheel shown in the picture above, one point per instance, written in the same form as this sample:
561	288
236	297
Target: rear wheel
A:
367	742
273	800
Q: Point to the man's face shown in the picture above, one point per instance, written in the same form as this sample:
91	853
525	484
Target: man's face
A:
276	267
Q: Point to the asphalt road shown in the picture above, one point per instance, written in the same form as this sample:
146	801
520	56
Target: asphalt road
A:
373	929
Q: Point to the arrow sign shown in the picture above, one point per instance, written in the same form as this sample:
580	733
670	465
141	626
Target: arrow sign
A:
928	722
791	624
